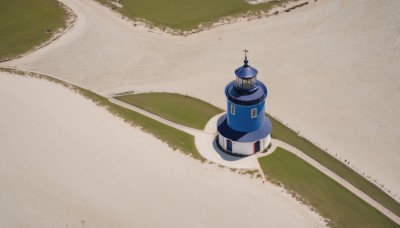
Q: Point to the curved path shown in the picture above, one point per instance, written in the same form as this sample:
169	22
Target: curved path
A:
334	176
205	143
204	140
72	163
319	59
188	130
336	53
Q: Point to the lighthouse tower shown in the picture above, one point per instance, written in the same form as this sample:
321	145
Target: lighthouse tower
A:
244	129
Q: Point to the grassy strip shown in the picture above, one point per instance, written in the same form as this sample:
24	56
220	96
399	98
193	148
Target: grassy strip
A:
185	142
329	198
176	139
186	14
25	24
177	108
285	134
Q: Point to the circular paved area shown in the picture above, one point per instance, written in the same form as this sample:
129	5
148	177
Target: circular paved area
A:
207	147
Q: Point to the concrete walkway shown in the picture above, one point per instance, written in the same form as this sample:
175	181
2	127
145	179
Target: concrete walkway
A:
204	140
206	145
188	130
329	173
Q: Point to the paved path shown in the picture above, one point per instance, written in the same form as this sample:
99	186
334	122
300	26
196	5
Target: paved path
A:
107	54
188	130
343	182
204	140
206	145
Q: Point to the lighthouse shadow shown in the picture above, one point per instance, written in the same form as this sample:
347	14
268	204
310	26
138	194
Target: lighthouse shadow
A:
225	154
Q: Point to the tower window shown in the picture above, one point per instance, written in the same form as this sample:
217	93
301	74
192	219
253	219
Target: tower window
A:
246	83
253	112
232	109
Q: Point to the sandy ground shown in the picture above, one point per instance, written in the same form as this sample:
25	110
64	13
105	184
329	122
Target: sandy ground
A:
75	164
331	68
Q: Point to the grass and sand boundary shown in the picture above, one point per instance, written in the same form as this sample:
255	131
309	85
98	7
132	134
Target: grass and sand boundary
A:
287	135
296	136
151	103
184	17
329	198
27	25
185	143
184	110
174	138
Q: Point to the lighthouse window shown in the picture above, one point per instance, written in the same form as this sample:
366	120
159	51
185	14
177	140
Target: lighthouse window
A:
232	109
248	83
254	113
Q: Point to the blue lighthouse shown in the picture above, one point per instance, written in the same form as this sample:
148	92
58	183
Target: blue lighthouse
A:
244	129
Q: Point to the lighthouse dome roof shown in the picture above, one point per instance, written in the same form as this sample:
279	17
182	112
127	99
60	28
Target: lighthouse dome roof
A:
246	71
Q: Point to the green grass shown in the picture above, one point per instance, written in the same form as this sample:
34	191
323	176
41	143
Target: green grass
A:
329	198
23	24
186	14
184	110
185	142
178	108
173	137
283	133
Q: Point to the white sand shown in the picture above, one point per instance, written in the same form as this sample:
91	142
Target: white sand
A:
64	160
332	68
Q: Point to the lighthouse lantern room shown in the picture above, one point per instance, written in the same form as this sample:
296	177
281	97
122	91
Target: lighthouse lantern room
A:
245	129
